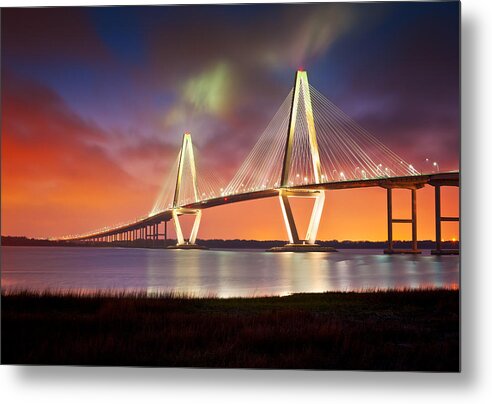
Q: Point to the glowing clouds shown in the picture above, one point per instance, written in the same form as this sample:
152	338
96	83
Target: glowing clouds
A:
202	96
208	92
311	31
202	103
318	32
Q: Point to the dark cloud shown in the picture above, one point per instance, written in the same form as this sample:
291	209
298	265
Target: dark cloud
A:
50	35
406	90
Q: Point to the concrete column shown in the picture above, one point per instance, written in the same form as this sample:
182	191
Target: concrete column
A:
414	219
165	233
437	190
389	207
154	234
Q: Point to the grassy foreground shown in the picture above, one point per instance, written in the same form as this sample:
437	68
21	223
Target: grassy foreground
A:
394	330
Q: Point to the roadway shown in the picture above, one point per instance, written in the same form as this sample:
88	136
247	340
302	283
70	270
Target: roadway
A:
410	182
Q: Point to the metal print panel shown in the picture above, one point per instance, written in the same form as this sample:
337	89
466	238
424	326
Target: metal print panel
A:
233	186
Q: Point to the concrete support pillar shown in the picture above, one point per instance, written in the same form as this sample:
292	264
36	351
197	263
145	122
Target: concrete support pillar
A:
389	208
437	191
391	220
194	231
153	235
414	219
439	220
290	224
165	233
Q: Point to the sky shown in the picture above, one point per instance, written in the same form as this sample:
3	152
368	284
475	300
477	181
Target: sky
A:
95	101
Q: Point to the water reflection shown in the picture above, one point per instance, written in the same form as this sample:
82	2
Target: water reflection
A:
220	273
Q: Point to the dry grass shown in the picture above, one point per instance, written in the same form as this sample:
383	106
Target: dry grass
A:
384	330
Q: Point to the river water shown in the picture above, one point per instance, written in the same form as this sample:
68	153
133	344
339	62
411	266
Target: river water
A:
222	273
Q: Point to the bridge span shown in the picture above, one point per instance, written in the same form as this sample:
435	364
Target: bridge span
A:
148	228
309	148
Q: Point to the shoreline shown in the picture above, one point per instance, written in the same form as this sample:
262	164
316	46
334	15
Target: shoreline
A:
174	294
10	241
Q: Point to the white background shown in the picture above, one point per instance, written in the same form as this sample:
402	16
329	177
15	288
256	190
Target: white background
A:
473	385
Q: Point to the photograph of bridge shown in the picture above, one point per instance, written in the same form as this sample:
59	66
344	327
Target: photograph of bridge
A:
181	190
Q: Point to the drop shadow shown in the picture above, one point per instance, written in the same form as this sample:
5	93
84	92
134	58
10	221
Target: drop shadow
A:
231	379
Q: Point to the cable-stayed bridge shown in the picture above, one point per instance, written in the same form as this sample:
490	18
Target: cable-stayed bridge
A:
310	146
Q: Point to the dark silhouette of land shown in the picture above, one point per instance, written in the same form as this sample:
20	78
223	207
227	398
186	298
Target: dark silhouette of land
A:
217	243
392	330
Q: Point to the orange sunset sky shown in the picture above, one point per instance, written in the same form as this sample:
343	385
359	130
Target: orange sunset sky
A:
95	101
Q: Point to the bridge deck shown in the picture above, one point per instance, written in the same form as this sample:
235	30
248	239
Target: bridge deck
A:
410	182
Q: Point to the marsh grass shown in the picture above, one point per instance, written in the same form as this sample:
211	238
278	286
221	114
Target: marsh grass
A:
364	330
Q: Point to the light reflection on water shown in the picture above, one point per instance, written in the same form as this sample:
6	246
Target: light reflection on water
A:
222	273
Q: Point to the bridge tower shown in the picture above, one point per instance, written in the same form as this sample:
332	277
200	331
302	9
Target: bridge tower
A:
186	158
309	242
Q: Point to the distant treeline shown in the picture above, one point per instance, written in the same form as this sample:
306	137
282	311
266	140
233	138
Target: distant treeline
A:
218	243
